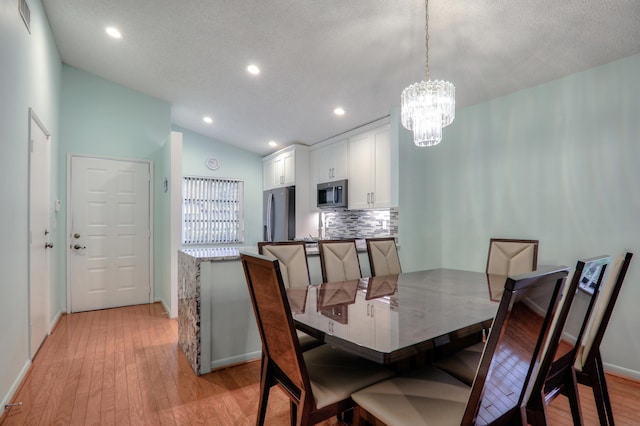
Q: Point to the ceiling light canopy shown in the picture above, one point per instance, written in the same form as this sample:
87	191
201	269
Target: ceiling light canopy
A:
253	69
428	106
207	119
113	32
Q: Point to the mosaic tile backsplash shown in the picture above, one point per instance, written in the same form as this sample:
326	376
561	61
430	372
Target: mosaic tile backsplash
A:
358	223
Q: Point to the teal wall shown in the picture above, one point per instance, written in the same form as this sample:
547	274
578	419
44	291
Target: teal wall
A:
235	163
419	214
558	163
30	70
102	118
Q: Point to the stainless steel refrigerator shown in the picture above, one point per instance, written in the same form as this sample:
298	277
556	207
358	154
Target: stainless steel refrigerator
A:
279	214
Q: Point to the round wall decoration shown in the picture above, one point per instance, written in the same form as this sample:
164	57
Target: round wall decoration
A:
213	163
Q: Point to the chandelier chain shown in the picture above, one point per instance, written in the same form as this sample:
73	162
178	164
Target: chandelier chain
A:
426	40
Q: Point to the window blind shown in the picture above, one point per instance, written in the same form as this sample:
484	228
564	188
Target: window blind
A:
212	210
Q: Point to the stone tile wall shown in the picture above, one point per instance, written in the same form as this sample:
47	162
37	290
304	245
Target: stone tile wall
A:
358	223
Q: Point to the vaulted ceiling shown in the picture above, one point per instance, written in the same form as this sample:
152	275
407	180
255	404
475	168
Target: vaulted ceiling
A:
315	55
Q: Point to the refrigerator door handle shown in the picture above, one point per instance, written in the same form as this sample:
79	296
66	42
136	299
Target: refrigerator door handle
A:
269	218
272	216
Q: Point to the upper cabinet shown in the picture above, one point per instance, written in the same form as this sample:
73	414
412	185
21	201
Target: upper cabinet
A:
370	169
280	169
329	163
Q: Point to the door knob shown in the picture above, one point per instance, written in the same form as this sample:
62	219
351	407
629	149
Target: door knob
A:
48	245
78	247
76	235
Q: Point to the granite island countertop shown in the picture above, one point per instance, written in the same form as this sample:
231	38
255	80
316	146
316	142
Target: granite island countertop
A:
207	254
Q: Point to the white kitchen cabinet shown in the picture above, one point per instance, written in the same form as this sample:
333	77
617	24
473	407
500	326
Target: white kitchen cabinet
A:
290	167
370	321
330	162
370	169
280	170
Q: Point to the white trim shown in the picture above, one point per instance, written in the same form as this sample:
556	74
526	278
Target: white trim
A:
621	371
54	321
230	361
175	218
164	305
353	132
16	383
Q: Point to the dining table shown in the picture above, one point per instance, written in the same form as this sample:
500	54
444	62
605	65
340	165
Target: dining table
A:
387	319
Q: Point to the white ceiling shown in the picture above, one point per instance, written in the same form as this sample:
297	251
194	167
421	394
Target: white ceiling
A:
319	54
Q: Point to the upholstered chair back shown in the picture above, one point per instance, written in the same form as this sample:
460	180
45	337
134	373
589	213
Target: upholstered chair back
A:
339	260
293	261
511	257
383	256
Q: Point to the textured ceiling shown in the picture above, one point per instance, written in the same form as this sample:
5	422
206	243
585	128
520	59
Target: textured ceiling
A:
318	54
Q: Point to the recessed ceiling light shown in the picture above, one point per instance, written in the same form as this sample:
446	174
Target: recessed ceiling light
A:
273	143
113	32
207	119
253	69
338	111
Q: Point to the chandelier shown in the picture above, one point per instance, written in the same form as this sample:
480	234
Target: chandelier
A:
428	106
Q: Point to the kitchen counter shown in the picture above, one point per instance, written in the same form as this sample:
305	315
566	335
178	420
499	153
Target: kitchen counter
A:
216	324
213	254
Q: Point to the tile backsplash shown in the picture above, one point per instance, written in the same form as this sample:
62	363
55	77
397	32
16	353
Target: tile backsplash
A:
358	223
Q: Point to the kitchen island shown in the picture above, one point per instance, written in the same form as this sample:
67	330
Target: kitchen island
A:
216	324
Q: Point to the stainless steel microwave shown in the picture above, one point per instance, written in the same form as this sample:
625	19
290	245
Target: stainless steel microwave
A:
333	194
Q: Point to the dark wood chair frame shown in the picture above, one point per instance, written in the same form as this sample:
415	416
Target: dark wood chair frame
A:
322	243
509	240
295	381
557	377
592	373
514	288
373	240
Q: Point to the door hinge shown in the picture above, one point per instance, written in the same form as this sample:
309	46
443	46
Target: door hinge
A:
30	145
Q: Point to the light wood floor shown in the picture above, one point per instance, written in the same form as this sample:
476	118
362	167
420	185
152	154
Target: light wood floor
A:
123	367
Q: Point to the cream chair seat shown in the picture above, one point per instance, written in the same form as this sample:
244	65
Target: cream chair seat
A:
383	256
339	260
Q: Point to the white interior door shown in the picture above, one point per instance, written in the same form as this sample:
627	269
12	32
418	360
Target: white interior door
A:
110	233
39	234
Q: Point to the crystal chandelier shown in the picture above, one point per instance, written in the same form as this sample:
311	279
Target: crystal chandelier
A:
428	106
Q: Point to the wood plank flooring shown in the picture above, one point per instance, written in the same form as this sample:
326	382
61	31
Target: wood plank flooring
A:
124	367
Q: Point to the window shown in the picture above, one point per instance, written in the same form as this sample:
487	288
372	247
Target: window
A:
212	210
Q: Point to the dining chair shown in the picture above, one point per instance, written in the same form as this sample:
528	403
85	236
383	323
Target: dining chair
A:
318	382
432	397
463	363
510	257
555	375
383	256
588	366
339	260
294	268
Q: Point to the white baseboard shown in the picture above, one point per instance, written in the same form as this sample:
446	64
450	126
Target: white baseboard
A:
16	384
166	308
54	321
238	359
621	371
